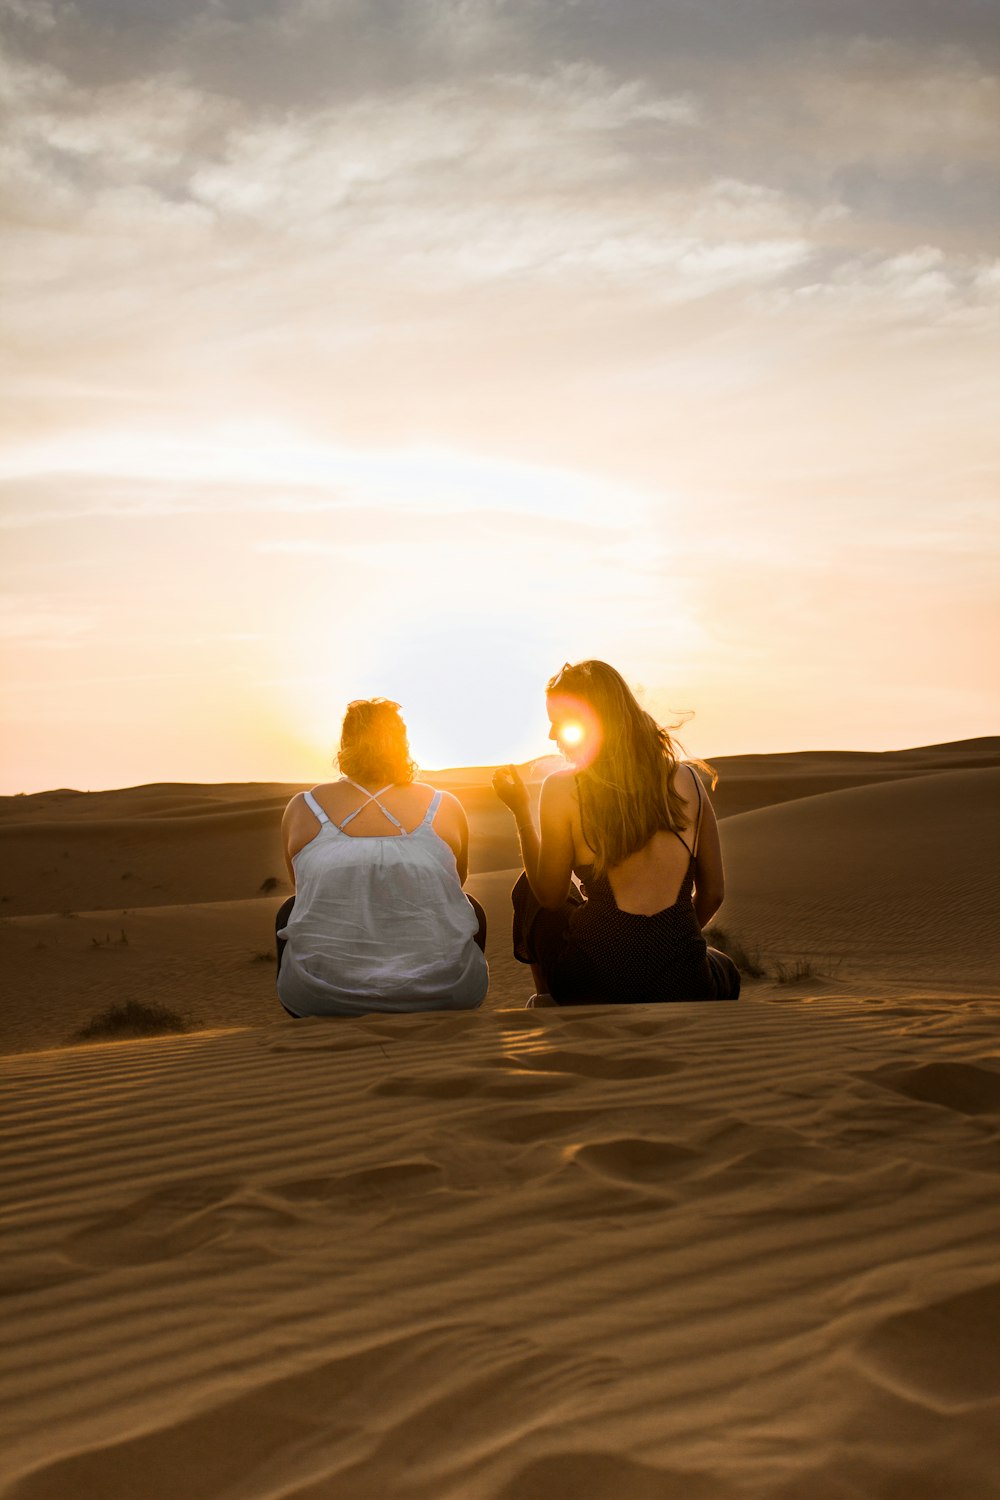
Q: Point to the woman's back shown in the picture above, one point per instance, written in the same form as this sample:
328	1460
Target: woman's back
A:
380	921
637	931
651	878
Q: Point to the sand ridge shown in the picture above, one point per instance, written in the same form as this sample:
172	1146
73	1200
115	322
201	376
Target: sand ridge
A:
691	1251
887	880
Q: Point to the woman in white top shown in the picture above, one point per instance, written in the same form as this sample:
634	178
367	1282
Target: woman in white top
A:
379	920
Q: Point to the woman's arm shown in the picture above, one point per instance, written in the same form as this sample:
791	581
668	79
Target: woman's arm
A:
709	876
547	860
290	820
456	833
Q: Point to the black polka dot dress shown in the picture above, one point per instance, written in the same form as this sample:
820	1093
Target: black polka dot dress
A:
593	953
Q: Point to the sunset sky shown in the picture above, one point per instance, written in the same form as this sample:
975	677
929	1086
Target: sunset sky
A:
413	347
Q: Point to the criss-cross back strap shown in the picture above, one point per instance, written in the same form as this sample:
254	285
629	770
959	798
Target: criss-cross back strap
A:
371	797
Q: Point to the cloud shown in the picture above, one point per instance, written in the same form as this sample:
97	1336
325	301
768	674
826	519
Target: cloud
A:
155	208
908	295
34	15
144	475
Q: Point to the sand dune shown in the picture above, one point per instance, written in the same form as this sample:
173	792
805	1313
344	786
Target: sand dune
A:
697	1251
170	844
751	781
894	882
735	1252
887	887
143	848
136	861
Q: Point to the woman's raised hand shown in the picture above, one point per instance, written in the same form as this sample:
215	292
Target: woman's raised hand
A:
512	791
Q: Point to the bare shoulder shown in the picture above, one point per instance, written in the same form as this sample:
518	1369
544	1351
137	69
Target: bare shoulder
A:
559	791
690	786
295	822
693	777
449	802
561	782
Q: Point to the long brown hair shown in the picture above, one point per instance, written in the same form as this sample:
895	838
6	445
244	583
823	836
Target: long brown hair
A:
373	743
628	771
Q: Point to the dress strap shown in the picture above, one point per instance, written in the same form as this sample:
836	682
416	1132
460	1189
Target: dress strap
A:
314	807
428	817
692	848
372	797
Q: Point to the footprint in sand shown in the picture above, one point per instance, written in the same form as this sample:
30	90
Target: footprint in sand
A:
637	1162
946	1356
349	1426
172	1221
963	1087
401	1086
404	1179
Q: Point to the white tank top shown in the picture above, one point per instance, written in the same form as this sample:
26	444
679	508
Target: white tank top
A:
379	923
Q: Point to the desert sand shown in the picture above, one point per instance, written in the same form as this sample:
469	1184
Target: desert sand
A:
698	1251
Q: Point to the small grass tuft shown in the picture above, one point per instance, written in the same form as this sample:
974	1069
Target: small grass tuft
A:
747	960
132	1019
796	971
106	942
270	884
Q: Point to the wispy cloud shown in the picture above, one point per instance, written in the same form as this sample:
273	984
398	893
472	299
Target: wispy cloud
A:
137	474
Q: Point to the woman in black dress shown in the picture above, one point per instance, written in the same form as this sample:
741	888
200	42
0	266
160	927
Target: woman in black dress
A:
636	826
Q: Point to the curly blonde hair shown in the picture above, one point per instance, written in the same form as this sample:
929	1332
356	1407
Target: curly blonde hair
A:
373	743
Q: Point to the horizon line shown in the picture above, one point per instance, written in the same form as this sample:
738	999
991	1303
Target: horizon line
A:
489	766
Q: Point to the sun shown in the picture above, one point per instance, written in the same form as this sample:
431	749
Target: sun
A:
575	728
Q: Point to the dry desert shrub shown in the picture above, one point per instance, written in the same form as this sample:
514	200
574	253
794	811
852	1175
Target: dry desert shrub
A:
132	1019
747	960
